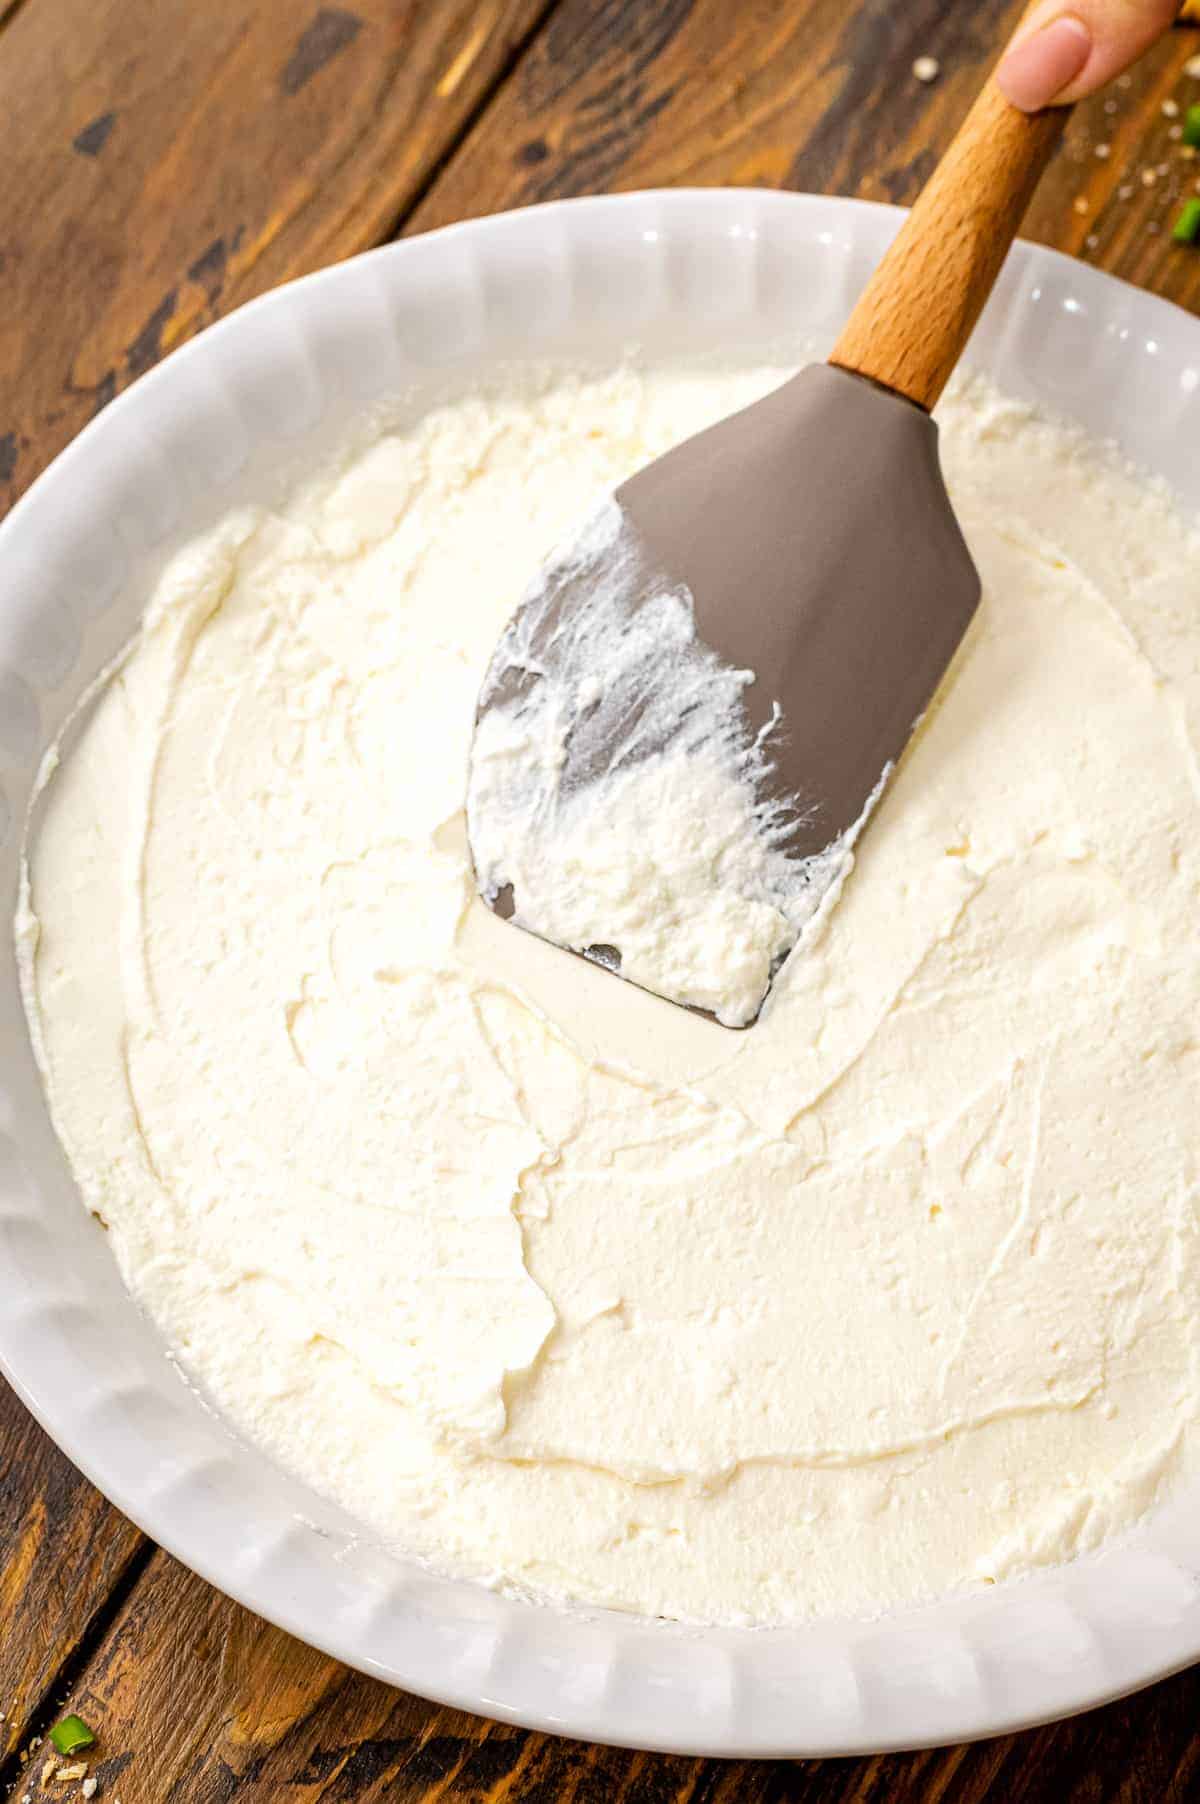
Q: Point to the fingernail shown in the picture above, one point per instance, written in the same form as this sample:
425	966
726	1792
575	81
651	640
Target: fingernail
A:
1035	71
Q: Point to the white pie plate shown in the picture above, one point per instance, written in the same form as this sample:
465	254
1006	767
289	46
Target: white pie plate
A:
220	422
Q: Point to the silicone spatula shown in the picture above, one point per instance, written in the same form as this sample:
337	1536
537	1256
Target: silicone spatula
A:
792	584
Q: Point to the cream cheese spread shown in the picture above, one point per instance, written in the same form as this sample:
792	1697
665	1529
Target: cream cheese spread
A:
548	1280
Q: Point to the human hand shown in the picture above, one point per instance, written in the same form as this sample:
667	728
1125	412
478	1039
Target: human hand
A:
1067	49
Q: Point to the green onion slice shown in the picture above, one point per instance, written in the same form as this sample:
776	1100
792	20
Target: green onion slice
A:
1186	229
72	1735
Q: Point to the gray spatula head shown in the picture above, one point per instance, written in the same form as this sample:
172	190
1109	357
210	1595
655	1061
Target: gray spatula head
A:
700	698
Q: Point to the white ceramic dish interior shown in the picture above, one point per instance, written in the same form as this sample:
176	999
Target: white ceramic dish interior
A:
272	388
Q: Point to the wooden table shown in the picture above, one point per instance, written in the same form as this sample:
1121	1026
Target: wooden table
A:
162	161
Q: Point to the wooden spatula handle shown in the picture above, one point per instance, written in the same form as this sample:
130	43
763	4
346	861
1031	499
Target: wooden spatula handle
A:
913	321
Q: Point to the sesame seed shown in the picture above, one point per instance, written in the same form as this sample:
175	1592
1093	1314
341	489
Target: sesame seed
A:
1149	177
1126	192
1092	240
88	1788
927	68
1081	205
1193	68
1175	133
1170	109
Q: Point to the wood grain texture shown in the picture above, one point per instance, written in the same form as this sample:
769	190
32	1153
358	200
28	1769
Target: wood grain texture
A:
64	1552
196	1702
910	327
819	95
621	94
165	160
1115	208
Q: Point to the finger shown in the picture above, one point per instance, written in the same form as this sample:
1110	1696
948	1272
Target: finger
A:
1069	48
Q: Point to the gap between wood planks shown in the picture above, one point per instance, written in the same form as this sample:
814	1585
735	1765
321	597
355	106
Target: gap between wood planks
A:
471	119
45	1710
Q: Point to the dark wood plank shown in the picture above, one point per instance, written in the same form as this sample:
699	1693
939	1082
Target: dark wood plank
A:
629	94
194	1700
818	96
164	161
1116	209
65	1551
